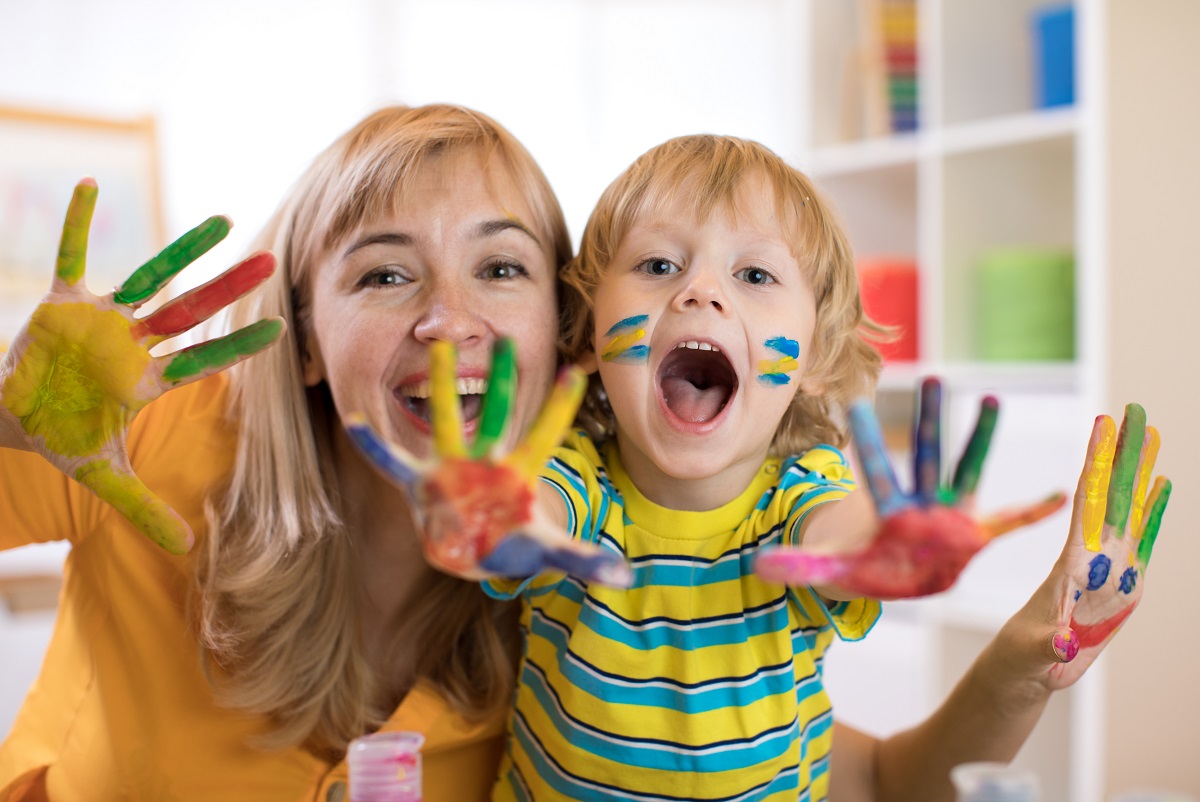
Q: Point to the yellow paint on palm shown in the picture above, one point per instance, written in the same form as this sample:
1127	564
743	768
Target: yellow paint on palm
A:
1096	484
447	413
126	493
1143	482
552	423
76	380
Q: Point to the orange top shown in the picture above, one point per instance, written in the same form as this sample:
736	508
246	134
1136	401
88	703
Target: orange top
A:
121	709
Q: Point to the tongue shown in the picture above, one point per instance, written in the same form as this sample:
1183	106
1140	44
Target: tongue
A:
692	403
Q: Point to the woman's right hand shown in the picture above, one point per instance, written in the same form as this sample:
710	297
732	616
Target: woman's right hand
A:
1099	578
81	368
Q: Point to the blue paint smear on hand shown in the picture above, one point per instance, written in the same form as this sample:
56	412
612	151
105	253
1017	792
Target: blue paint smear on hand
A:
1098	571
1128	580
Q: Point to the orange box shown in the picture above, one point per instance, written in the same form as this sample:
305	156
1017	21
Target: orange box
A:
889	294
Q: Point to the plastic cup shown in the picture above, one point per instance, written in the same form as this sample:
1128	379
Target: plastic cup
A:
385	767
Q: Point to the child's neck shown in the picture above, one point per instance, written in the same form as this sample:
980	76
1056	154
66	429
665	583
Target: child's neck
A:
699	491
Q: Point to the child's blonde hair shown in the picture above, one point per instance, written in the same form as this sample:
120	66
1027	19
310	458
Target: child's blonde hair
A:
708	170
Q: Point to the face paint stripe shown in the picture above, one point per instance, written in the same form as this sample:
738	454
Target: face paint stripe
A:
222	352
631	322
785	346
72	248
150	277
622	349
1096	480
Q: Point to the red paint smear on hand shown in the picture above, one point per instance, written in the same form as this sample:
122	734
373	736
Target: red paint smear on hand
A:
1094	634
471	507
206	300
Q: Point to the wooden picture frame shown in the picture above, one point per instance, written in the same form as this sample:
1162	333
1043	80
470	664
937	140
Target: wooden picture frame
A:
43	154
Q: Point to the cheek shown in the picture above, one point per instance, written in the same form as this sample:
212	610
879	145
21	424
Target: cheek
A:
780	361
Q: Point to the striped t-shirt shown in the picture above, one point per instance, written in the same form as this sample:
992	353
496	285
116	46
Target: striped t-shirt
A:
701	682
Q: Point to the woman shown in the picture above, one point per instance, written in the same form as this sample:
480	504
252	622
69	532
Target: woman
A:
304	615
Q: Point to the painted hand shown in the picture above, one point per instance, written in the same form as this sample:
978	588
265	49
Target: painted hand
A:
1099	578
924	539
478	504
81	368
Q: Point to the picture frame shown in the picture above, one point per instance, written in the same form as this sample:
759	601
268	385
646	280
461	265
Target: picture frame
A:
43	154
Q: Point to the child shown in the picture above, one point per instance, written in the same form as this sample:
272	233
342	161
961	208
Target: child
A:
716	300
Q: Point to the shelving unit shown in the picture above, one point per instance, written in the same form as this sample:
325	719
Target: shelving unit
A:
985	169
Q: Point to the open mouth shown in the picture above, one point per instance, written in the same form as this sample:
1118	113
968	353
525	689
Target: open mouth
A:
415	398
696	382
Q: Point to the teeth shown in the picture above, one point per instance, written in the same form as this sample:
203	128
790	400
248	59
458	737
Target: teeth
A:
461	387
696	345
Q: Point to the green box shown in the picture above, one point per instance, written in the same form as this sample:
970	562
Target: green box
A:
1025	304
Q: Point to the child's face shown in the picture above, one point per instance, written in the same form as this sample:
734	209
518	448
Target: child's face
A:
702	337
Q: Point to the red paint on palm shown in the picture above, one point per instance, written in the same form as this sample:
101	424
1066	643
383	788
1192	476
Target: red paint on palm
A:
471	506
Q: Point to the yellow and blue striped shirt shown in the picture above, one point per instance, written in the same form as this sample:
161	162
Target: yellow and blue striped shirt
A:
701	682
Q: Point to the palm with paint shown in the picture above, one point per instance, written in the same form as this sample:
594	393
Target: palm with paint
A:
1099	578
81	368
478	502
924	539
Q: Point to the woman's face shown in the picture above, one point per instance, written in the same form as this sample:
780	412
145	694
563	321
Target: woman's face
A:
454	262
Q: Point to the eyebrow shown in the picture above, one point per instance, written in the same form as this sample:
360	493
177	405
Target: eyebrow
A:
488	228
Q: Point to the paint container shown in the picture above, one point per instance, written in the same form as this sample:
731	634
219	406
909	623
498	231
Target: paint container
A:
888	286
993	782
1054	52
1025	304
385	767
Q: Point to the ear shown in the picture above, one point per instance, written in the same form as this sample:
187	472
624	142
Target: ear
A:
587	362
314	365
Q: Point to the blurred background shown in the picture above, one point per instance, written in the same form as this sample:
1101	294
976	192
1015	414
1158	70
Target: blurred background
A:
1018	178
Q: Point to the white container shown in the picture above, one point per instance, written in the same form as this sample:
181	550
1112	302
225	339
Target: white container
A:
385	767
993	782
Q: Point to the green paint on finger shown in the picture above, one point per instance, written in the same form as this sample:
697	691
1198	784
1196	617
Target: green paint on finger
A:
1124	471
970	467
1161	495
150	277
221	353
126	493
72	248
498	402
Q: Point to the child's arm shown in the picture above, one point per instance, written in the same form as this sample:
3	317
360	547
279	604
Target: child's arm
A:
483	512
897	544
1045	646
81	367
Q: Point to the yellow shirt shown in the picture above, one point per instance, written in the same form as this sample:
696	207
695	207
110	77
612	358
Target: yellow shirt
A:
121	709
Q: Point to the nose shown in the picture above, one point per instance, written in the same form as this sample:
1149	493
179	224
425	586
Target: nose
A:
449	314
702	290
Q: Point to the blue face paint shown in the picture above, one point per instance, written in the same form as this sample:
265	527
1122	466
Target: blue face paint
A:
624	334
773	372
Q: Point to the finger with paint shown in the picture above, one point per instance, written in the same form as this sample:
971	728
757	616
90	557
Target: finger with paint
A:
1117	516
81	369
478	502
925	538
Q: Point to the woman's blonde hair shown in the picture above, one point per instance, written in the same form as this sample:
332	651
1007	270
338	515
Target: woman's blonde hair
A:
277	584
708	170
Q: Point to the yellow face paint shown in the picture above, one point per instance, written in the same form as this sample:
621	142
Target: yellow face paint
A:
75	381
1096	484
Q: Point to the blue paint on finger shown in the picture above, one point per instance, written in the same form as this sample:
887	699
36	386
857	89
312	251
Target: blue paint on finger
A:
378	452
515	557
1098	571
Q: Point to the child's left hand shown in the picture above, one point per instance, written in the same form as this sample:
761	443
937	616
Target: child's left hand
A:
924	539
478	506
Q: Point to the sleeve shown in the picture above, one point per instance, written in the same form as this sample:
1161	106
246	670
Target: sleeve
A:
38	503
820	475
574	474
817	476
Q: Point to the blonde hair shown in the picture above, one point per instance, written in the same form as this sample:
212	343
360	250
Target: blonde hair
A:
277	585
708	170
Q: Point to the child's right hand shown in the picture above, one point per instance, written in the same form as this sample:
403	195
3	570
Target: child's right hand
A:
478	507
81	368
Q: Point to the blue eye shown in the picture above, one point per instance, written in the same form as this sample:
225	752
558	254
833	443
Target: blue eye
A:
755	275
658	267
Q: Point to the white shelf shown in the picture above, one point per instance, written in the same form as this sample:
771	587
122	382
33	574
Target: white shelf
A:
1051	377
1010	130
